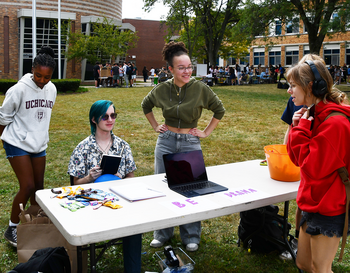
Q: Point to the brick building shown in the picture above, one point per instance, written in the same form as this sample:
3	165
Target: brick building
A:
291	44
16	32
150	44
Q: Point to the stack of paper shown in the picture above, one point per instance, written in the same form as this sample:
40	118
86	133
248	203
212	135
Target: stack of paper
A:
136	192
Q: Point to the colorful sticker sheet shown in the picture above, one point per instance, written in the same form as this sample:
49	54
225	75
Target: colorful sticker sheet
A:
74	199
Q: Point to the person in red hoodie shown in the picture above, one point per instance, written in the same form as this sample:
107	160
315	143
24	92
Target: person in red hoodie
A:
319	147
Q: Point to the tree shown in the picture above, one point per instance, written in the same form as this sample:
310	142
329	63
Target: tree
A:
210	21
320	17
105	40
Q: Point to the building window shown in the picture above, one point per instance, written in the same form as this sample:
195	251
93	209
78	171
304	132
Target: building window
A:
292	57
310	16
292	28
274	57
278	27
331	56
305	29
334	19
46	34
231	61
348	56
244	60
259	58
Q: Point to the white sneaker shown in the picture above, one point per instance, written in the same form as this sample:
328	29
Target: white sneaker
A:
156	243
192	247
286	254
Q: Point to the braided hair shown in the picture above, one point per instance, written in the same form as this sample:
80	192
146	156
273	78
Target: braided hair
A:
173	49
45	57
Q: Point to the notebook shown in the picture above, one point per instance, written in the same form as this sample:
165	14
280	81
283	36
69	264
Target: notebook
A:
186	174
110	164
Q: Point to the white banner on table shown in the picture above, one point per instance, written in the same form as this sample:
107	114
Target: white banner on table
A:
244	195
193	204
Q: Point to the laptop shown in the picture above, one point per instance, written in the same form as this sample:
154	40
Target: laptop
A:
186	174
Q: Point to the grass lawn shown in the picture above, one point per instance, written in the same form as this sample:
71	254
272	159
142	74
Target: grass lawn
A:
252	121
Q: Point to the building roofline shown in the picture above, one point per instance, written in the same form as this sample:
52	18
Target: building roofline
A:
46	14
94	19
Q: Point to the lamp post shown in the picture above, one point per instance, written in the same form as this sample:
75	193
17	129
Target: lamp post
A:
34	28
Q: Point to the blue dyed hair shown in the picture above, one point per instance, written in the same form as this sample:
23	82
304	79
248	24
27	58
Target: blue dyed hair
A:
97	110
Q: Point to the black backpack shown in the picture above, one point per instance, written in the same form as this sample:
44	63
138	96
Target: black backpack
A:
255	224
285	86
129	70
46	260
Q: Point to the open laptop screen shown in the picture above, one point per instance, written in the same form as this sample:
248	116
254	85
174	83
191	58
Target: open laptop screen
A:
185	167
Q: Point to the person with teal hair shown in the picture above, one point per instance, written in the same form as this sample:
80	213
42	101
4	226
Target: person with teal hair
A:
98	109
84	166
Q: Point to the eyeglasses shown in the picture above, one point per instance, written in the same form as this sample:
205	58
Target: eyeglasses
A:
106	117
181	68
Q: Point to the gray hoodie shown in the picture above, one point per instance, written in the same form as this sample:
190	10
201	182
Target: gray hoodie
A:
26	113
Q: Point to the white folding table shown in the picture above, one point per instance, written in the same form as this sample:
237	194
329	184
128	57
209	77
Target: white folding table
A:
249	184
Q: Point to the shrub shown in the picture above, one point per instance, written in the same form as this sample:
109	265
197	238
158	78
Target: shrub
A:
65	85
6	84
62	86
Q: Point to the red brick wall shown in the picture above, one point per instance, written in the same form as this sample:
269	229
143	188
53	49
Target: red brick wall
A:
150	44
108	8
12	73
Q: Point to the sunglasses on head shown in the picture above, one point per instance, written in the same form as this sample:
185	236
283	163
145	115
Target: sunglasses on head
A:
106	116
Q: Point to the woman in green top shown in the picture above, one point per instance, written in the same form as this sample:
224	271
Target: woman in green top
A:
181	99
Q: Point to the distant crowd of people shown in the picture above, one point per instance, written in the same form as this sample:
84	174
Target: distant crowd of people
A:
237	75
118	72
340	73
162	73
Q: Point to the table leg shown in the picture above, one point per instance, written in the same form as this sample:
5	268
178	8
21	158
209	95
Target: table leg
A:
92	258
285	231
80	259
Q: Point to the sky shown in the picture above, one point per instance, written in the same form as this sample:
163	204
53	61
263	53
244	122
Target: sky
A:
133	9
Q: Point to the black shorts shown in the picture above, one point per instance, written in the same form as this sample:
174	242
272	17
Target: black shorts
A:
320	224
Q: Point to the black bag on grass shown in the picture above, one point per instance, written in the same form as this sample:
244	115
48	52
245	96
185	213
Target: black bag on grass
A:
46	260
285	86
256	223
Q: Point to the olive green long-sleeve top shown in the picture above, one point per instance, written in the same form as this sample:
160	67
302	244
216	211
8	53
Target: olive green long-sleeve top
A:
182	107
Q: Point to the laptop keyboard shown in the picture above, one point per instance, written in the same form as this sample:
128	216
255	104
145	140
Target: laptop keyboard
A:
195	186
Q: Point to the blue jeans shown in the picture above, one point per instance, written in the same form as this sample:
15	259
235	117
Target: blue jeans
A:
169	143
126	80
12	151
132	253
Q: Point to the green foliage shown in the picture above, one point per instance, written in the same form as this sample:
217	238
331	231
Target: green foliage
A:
258	16
6	84
105	40
65	85
205	26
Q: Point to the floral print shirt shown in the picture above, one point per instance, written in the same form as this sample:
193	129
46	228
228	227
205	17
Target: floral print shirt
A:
87	155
